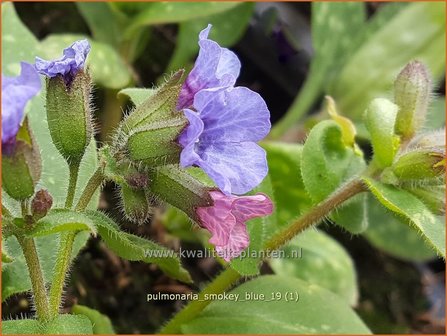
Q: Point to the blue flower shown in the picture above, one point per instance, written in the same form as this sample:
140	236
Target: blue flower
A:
68	65
16	92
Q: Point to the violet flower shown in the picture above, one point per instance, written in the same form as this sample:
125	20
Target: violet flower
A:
224	122
221	138
16	92
215	67
226	218
68	65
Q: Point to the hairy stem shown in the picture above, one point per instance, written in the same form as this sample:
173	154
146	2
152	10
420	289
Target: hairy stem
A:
94	183
35	272
66	245
228	277
60	271
73	180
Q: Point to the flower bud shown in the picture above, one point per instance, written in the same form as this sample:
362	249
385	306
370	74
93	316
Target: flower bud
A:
21	165
178	188
135	204
412	94
69	116
380	121
149	134
420	164
41	204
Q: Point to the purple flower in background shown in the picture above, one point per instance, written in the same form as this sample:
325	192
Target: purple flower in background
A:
16	92
68	65
215	67
226	218
221	138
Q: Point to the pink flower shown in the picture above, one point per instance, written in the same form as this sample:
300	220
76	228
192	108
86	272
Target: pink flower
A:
226	218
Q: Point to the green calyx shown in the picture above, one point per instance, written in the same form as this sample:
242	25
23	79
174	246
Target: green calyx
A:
420	165
135	204
22	168
148	135
69	116
176	187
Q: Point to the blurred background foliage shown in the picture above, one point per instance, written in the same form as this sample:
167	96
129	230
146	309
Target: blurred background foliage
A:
293	54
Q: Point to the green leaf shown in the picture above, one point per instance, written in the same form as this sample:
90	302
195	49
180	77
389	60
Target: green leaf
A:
405	204
20	45
318	311
172	12
416	32
101	323
291	198
389	233
58	220
228	28
102	22
326	164
137	95
63	324
106	65
317	258
134	248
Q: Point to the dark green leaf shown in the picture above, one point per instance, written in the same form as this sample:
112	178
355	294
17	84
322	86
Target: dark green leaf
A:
134	248
318	311
63	324
321	261
101	323
407	205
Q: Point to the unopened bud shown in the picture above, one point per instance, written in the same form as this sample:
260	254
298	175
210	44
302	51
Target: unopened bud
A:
412	94
420	164
149	134
380	120
69	115
21	165
41	204
135	204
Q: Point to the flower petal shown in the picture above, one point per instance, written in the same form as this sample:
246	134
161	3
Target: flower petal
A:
238	241
69	64
232	115
16	92
189	137
215	67
235	168
248	207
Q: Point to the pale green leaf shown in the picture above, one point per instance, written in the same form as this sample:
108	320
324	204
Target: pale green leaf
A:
172	12
389	233
413	210
137	95
416	32
317	311
317	258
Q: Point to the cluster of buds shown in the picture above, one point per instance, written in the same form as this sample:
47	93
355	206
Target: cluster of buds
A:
202	120
409	159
